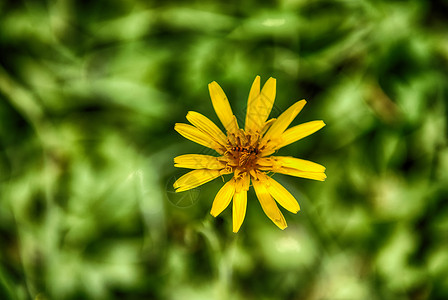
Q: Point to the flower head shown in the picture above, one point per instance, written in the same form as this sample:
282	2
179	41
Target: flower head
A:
246	153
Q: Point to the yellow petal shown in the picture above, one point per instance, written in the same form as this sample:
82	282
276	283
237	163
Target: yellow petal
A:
195	178
282	196
222	107
267	125
283	121
198	161
194	134
259	106
309	175
265	162
295	163
298	132
207	126
253	94
239	209
268	203
223	198
267	151
242	181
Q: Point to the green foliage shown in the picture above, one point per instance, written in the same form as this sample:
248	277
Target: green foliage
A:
90	92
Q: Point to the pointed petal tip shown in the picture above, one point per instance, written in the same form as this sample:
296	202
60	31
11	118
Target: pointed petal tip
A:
216	211
176	126
301	102
212	85
177	187
182	189
271	80
281	223
324	177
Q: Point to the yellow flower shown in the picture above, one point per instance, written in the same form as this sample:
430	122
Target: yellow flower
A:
245	153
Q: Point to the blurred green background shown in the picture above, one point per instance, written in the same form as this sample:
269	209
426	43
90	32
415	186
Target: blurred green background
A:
90	92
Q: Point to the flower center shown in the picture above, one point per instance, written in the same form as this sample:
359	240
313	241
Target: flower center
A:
243	150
